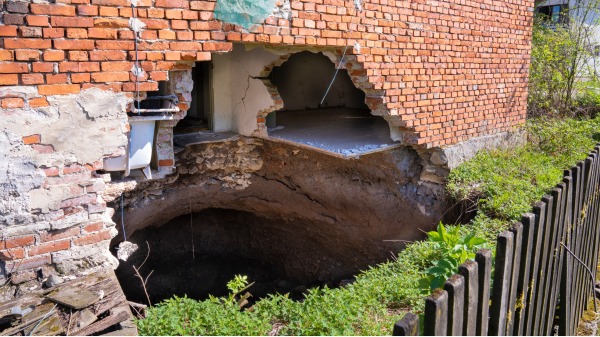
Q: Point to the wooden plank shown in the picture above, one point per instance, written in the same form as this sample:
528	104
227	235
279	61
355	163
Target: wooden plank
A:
502	282
541	290
469	270
528	221
436	314
81	319
407	326
570	186
560	196
455	287
517	230
76	298
104	324
578	238
581	242
539	210
564	312
484	271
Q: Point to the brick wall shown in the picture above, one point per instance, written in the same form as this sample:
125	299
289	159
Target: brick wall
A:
449	70
443	71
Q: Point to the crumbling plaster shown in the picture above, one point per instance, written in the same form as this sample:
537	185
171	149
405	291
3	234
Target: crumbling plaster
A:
94	120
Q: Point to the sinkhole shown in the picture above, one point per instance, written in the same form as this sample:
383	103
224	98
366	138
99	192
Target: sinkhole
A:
196	255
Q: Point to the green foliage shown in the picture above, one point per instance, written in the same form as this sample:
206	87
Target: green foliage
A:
456	247
505	183
562	55
369	306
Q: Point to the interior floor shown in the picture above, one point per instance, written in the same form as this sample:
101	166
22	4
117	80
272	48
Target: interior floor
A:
191	124
345	131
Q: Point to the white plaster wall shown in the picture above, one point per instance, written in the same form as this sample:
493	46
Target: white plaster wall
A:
238	97
82	128
222	112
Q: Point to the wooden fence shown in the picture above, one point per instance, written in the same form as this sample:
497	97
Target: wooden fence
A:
544	271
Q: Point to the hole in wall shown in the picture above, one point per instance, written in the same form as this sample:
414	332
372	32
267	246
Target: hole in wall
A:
199	116
323	108
197	254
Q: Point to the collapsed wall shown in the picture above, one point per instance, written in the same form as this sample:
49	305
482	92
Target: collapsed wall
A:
440	73
311	216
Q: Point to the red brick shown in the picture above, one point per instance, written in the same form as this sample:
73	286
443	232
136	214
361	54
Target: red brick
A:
172	3
27	44
87	10
52	9
142	86
59	89
93	227
6	55
51	172
77	33
53	32
56	78
93	238
19	242
37	20
29	79
49	247
12	103
116	66
217	46
9	79
12	254
8	30
79	22
42	67
111	23
194	46
102	33
80	78
30	32
27	55
117	76
78	55
166	162
26	264
13	67
60	234
53	55
101	55
74	44
38	102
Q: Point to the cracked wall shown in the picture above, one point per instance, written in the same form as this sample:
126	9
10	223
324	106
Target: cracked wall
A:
52	214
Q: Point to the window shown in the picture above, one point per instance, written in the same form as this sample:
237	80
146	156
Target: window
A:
556	14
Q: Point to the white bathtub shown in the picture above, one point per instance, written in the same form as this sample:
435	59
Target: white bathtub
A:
139	150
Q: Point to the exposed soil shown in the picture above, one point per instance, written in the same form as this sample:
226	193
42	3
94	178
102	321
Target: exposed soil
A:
196	255
285	216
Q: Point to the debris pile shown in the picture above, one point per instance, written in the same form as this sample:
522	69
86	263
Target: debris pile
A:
88	305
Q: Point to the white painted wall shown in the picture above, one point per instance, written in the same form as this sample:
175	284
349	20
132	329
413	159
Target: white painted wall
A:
237	96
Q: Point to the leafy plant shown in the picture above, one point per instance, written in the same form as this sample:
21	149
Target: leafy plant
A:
455	249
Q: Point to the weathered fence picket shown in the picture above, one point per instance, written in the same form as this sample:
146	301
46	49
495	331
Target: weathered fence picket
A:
436	314
469	271
541	279
455	287
502	281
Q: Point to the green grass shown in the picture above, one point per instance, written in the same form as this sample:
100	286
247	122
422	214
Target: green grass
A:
503	183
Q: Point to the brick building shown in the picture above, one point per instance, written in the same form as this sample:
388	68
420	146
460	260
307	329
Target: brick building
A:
441	73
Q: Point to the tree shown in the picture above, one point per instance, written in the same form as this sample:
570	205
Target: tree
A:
563	57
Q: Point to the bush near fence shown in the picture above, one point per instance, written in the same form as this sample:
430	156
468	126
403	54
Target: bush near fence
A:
542	279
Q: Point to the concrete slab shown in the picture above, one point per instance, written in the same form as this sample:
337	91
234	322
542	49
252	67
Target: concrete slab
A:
344	131
184	140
